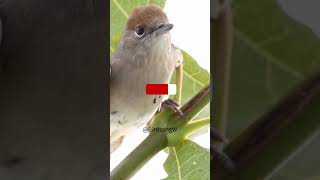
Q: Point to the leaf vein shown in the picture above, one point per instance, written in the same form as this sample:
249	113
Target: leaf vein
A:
120	8
192	78
190	158
178	163
267	56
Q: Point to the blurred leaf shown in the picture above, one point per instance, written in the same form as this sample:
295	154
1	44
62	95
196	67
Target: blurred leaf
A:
281	40
272	53
313	178
265	69
188	161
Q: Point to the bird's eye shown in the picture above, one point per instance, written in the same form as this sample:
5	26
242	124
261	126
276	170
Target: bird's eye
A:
140	31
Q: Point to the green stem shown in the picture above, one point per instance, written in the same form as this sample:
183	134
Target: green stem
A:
193	126
153	144
181	133
222	50
192	108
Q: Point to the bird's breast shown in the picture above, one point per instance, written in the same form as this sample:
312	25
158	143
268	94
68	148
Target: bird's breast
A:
129	102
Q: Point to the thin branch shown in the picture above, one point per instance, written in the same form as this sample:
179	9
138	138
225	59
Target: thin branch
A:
222	49
195	125
192	108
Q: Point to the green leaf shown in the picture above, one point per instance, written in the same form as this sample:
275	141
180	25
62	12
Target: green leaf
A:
272	54
313	178
188	161
195	78
290	45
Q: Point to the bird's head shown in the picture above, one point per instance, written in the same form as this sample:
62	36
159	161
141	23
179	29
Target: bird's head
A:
148	22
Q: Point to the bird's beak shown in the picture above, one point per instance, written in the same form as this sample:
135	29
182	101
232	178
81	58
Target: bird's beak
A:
163	28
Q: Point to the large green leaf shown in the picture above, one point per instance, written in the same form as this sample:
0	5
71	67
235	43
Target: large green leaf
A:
188	161
272	53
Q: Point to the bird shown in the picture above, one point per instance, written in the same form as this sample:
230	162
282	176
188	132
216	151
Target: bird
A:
145	55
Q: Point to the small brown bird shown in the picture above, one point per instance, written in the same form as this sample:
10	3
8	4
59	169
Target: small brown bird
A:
145	55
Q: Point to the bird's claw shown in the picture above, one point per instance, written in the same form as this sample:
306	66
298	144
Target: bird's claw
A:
173	105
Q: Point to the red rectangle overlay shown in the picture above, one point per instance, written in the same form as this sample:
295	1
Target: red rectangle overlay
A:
157	89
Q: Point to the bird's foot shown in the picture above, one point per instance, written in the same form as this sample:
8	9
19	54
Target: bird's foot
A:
173	105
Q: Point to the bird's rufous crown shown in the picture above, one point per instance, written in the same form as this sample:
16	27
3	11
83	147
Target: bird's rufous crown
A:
147	15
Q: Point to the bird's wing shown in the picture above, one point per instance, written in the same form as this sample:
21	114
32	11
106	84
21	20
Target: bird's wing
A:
116	64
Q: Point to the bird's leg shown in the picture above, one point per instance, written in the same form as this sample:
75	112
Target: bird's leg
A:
174	104
179	80
219	155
